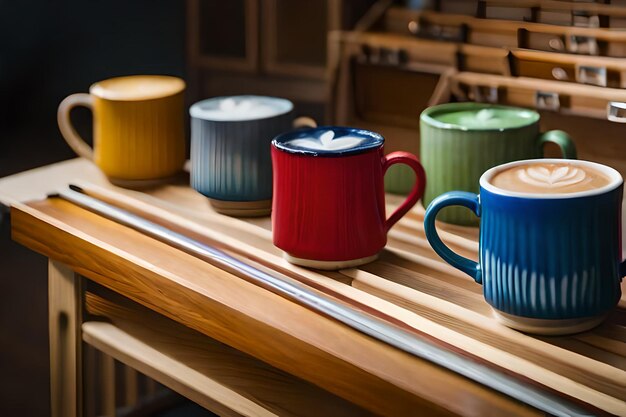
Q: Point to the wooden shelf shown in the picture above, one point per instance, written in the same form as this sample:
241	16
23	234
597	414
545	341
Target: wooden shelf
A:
409	285
214	375
506	33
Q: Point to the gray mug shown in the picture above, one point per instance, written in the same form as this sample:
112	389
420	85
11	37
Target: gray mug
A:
230	150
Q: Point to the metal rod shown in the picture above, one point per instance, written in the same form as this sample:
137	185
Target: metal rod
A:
379	329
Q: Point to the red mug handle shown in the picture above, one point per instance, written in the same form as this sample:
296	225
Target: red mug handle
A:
418	188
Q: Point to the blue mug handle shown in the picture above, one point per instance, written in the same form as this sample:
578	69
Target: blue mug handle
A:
452	198
472	202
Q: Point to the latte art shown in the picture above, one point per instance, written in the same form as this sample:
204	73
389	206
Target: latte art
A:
541	176
240	108
549	178
327	142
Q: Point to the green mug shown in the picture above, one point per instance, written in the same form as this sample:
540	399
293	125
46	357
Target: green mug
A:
460	141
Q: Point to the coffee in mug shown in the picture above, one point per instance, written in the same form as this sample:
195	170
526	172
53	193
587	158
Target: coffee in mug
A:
230	150
550	242
545	178
138	127
329	198
460	141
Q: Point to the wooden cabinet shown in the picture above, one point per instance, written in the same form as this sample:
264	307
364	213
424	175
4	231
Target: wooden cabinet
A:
223	34
269	47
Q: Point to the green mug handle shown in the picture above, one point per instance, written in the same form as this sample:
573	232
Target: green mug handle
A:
562	140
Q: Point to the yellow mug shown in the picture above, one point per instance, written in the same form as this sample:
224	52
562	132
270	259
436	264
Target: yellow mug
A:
138	127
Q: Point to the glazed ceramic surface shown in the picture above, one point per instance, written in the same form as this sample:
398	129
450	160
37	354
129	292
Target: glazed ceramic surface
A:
456	149
230	148
548	258
329	198
139	127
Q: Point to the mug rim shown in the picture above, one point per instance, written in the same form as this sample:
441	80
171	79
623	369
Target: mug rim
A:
196	111
279	140
427	116
615	177
98	89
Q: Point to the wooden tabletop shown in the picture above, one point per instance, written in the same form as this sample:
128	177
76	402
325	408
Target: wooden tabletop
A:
409	283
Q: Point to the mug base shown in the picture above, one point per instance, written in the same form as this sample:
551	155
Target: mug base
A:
143	184
259	208
328	265
549	327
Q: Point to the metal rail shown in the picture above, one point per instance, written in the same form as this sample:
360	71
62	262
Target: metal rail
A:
377	328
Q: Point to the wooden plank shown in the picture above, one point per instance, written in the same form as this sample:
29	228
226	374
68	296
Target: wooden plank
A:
37	183
482	327
249	318
218	377
397	18
112	340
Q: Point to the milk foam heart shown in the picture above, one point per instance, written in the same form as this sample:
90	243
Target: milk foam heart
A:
240	108
326	141
548	178
541	176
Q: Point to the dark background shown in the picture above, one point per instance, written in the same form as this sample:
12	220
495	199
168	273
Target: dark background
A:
50	49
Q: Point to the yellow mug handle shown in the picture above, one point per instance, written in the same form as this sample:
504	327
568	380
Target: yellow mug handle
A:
72	137
304	121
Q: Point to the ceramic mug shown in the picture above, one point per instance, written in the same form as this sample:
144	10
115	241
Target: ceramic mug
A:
460	141
329	198
230	150
138	126
549	263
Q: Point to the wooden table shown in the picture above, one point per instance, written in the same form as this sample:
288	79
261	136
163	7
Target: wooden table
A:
282	358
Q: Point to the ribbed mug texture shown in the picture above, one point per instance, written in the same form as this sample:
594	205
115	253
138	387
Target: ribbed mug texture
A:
329	208
551	258
230	160
455	159
139	140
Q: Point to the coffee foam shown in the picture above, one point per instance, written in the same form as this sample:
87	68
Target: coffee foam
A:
239	108
137	87
326	141
549	178
479	118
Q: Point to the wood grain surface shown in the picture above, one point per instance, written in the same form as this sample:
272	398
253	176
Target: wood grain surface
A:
396	20
408	283
249	318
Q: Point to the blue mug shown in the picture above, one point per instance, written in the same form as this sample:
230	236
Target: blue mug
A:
549	263
230	150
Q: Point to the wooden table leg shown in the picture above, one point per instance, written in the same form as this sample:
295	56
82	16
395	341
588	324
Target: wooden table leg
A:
107	384
65	320
131	386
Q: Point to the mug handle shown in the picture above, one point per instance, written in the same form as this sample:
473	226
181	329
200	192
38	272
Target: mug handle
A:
72	138
303	121
418	188
560	138
452	198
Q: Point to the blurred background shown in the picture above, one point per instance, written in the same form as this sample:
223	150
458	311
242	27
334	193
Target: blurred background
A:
48	50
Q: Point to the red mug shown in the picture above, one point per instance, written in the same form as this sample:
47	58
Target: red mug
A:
328	207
